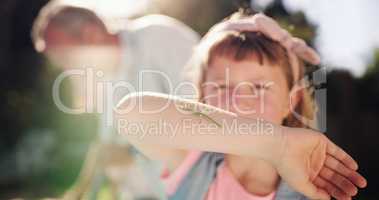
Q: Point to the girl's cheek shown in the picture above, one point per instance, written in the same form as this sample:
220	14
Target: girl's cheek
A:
210	97
273	111
214	97
220	100
266	106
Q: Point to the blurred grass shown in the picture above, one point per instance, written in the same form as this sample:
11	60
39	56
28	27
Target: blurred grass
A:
48	158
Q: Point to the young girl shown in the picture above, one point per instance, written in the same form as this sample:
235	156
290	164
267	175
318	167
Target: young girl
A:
241	140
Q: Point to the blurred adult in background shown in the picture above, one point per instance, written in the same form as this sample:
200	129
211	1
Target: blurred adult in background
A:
76	37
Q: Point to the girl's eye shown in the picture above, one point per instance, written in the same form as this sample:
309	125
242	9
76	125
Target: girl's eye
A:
218	87
262	86
222	87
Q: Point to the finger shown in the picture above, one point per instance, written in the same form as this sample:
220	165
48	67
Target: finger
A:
305	186
330	188
316	193
310	190
341	182
341	155
352	175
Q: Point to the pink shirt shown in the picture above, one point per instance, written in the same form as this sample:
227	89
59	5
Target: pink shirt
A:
224	187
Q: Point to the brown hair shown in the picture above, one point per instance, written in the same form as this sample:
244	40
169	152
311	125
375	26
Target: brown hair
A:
239	46
242	45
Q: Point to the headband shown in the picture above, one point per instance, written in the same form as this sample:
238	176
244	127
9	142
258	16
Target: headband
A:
295	47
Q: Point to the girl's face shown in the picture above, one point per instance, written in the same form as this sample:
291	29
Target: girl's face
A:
247	88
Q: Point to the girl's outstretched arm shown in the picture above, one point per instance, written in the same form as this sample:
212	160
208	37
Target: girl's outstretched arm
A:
176	123
166	126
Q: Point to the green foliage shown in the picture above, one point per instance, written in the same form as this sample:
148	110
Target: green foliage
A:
373	67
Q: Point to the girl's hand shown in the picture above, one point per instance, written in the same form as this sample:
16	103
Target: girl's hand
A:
317	168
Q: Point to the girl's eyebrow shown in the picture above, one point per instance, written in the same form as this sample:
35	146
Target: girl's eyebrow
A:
217	78
259	79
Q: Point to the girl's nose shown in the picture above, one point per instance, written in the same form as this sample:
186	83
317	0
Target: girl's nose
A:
244	92
244	97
